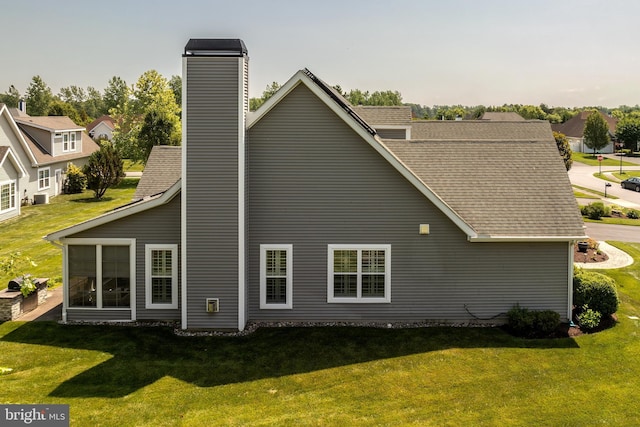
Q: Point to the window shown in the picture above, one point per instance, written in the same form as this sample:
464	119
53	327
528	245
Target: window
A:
99	276
44	176
72	137
276	276
65	142
359	273
7	196
161	289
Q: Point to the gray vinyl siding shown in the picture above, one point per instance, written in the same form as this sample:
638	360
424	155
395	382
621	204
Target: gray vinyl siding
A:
315	182
213	110
160	225
392	133
43	137
93	315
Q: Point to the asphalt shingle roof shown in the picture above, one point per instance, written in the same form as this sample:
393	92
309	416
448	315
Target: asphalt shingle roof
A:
574	127
377	116
476	130
503	116
163	169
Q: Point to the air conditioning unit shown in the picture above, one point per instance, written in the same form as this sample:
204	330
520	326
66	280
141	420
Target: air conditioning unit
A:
213	305
41	199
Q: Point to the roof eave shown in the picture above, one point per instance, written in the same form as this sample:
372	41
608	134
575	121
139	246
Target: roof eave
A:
498	238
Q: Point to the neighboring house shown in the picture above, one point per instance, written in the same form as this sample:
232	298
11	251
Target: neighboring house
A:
101	128
11	171
43	146
573	129
502	116
301	211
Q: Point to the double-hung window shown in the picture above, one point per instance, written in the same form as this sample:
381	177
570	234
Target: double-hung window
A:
276	276
72	139
65	142
44	178
7	196
161	290
359	274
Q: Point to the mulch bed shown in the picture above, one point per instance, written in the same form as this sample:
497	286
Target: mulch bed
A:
590	256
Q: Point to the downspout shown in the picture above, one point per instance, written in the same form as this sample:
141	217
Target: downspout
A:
570	284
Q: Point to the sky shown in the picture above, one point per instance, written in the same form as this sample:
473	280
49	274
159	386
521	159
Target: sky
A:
569	53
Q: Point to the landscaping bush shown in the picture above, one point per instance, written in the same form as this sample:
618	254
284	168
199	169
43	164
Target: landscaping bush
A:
596	291
532	323
76	180
595	210
589	319
633	214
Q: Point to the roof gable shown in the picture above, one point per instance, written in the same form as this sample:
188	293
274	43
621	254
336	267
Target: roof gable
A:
7	154
4	112
574	127
162	170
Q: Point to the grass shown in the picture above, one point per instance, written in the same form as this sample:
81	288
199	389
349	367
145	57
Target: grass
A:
581	195
24	233
591	191
130	166
626	174
125	376
592	160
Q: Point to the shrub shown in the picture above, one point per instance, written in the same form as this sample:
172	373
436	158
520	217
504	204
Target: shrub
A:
633	214
589	319
531	323
595	210
76	180
596	291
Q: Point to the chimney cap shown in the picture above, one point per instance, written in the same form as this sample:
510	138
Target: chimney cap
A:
215	47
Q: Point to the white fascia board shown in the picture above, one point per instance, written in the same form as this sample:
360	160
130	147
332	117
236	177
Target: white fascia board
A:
14	127
301	78
526	238
14	161
183	205
120	213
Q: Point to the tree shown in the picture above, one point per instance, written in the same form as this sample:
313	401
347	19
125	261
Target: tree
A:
255	103
564	148
104	170
155	130
628	132
38	97
115	94
596	132
10	97
380	98
175	83
151	94
61	108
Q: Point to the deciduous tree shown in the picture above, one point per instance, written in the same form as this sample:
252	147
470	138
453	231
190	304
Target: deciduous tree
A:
11	97
628	132
104	170
596	132
564	148
38	97
115	94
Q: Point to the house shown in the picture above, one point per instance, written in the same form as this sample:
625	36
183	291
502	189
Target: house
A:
43	146
573	129
11	171
301	211
101	128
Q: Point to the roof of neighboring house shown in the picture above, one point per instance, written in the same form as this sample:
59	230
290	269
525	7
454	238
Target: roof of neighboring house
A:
163	169
376	116
503	116
50	123
574	127
474	130
43	157
495	186
106	119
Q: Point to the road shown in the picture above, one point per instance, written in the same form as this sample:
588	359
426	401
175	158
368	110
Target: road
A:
582	175
622	233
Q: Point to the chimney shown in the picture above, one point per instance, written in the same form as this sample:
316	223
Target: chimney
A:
22	106
214	107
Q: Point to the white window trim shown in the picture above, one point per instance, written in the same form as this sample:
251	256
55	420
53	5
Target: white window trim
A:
359	299
263	277
40	186
98	243
72	141
65	143
13	205
174	276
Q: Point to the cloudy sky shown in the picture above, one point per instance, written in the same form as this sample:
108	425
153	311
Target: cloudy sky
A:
490	52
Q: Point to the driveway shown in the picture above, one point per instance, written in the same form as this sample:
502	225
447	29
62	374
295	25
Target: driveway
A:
622	233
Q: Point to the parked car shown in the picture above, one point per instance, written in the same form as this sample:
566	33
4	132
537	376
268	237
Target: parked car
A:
632	183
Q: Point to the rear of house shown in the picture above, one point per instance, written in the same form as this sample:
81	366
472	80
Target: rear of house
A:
302	211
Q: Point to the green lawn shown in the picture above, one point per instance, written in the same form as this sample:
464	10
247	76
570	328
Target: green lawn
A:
24	233
130	166
126	376
592	160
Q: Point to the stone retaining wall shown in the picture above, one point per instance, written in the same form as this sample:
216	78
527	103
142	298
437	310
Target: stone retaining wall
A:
12	303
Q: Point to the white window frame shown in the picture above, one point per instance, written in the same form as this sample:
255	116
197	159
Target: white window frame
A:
12	195
42	185
65	142
97	244
72	141
359	299
148	276
288	304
